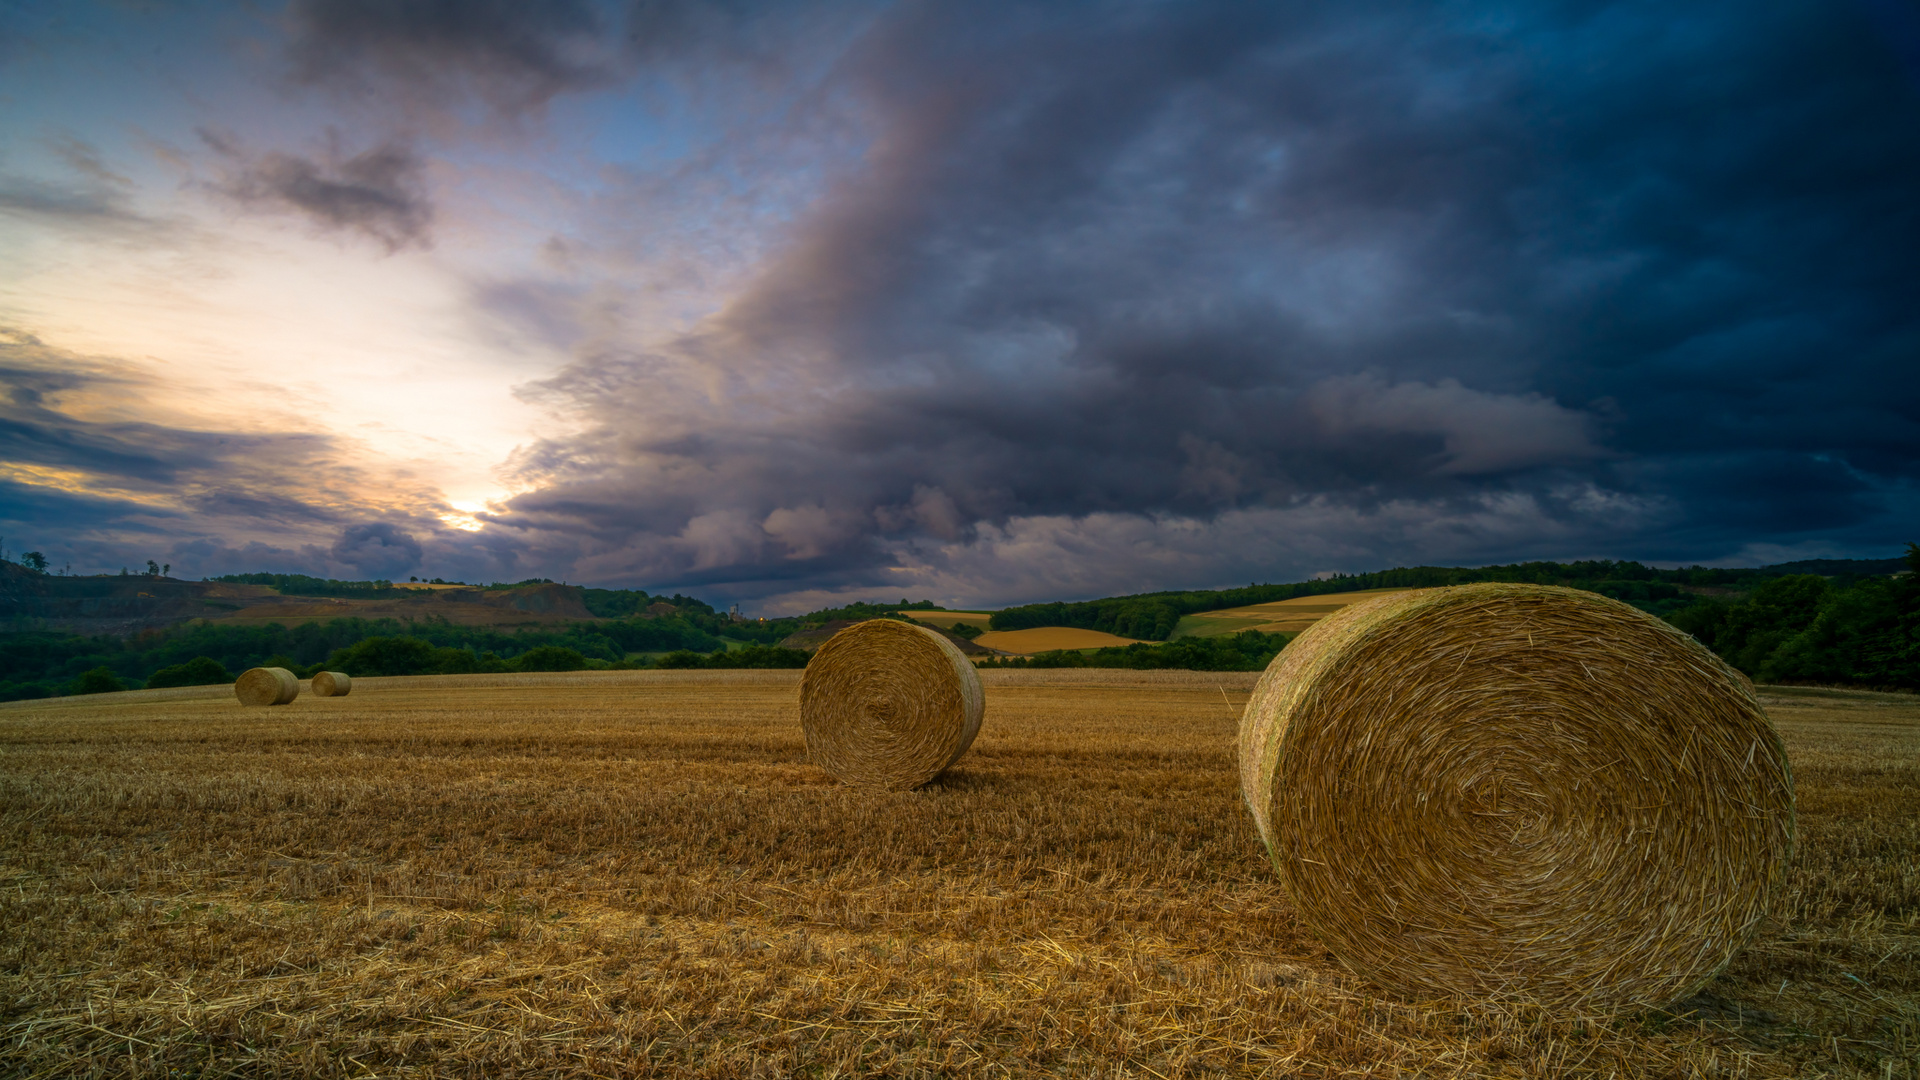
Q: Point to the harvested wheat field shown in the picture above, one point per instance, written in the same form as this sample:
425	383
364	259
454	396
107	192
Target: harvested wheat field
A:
637	873
947	620
1046	638
1278	617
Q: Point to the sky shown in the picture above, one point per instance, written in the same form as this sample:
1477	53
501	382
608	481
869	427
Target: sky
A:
787	304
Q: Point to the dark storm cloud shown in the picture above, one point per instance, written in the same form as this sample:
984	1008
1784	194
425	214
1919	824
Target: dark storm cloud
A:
516	55
380	193
377	550
1574	278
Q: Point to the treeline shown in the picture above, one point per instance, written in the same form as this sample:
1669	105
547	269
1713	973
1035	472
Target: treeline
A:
1154	616
617	603
416	656
1844	622
1807	629
43	663
36	664
1248	650
302	585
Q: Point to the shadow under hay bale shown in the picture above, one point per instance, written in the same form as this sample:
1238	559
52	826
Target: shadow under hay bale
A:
266	686
1518	793
332	684
888	704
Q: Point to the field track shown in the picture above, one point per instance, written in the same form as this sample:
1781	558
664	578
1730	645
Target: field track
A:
637	873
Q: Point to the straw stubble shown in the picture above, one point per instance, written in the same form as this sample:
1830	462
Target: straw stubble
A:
1517	792
266	686
888	704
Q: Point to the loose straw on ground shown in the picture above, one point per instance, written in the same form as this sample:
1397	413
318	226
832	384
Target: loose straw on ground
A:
1518	793
889	704
266	686
332	684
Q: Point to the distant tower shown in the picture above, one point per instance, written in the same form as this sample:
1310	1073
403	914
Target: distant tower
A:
733	613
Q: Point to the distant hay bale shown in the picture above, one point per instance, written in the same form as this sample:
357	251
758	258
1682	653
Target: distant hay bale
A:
266	686
1518	793
332	684
888	704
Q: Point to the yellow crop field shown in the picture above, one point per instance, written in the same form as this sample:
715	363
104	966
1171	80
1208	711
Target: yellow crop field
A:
947	620
638	874
1043	638
1280	616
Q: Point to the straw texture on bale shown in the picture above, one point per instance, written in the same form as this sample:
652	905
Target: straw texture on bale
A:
266	686
889	704
332	684
1518	793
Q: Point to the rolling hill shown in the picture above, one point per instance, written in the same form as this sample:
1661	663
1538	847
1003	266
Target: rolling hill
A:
131	603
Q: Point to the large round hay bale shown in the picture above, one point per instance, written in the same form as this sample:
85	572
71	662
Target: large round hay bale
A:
1519	793
266	686
332	684
888	704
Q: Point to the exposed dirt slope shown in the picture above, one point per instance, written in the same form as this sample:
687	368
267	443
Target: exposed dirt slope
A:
114	604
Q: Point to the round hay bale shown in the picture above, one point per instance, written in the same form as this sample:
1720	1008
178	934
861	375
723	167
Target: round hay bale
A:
266	686
889	704
1518	793
332	684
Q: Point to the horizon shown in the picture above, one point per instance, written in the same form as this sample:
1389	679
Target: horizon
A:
790	305
661	591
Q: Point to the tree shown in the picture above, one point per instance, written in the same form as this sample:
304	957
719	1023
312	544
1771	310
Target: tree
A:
551	658
100	680
165	569
400	656
1771	614
199	671
34	561
153	568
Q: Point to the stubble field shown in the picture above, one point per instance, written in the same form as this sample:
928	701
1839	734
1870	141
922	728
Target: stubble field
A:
1048	638
637	873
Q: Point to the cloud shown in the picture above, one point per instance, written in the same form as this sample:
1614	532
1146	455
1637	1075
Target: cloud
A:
91	196
1015	301
377	550
1146	282
380	193
1479	432
93	484
516	56
84	158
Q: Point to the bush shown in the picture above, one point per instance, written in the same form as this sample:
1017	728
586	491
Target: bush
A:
401	656
23	691
199	671
100	680
752	656
758	656
551	658
681	658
